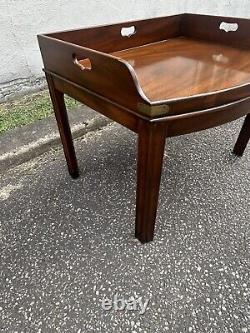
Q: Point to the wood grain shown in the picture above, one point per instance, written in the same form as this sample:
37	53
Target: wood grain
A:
175	75
183	67
61	115
108	38
151	144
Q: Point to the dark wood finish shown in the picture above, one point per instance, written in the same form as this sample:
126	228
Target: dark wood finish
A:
191	68
57	99
151	144
103	78
243	138
208	28
178	71
175	75
201	120
108	38
108	108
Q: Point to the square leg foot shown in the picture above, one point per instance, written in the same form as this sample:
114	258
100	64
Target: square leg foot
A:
74	174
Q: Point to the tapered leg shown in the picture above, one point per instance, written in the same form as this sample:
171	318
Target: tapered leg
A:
151	143
60	111
243	137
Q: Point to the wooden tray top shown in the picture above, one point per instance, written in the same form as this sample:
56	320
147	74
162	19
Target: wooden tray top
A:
183	67
162	66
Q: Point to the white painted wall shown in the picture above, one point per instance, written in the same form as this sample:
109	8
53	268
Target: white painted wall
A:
22	20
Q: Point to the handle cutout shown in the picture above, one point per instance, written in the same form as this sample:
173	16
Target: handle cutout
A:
220	58
229	26
128	31
83	64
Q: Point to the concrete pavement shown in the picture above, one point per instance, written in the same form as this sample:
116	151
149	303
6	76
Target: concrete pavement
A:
21	144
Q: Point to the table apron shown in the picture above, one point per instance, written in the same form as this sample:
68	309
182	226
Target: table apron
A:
174	125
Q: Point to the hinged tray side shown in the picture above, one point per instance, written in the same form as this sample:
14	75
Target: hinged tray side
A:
67	53
108	38
108	76
225	30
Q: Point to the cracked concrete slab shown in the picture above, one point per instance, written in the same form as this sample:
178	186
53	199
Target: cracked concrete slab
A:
24	143
67	244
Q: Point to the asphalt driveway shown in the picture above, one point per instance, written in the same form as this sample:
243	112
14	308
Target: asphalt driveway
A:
68	244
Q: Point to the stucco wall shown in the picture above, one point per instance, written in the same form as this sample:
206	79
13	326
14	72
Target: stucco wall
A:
22	20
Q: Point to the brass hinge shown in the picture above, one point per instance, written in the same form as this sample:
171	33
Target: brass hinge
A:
153	110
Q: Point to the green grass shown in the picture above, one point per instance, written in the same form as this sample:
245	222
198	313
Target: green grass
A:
28	109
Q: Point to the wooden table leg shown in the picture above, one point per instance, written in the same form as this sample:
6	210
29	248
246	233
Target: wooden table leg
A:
151	144
243	138
60	111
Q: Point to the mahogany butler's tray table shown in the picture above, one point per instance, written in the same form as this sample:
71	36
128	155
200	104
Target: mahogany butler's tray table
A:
160	77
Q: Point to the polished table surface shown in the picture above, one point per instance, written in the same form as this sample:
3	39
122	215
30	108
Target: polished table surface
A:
182	67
